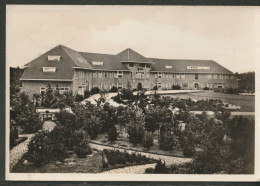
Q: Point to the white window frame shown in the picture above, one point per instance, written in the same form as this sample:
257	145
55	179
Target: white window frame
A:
215	76
221	76
177	75
209	76
182	75
42	89
100	74
120	74
159	75
49	69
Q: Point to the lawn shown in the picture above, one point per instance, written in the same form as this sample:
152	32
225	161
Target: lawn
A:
247	103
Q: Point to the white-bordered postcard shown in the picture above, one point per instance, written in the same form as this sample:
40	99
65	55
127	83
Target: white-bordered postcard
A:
132	93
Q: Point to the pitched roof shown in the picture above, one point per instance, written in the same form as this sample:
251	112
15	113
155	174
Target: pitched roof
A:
71	59
180	65
63	67
130	55
110	62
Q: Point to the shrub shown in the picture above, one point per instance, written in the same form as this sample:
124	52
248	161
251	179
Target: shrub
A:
148	141
176	87
86	94
47	146
113	89
13	136
126	94
79	98
136	133
82	152
160	168
167	142
95	90
155	87
206	88
112	134
149	170
232	91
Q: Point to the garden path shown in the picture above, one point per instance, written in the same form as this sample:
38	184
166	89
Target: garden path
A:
169	160
18	151
138	169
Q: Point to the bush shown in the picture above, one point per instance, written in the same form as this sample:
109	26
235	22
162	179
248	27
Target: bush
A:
176	87
13	136
79	98
160	168
167	142
126	94
112	134
47	146
82	152
136	133
149	170
148	141
232	91
95	90
113	89
86	94
206	88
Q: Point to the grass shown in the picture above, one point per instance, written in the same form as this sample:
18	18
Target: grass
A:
247	103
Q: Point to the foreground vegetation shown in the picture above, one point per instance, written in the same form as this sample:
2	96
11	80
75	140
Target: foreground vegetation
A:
218	144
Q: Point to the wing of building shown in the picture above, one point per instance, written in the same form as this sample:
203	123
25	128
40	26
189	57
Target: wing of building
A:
67	69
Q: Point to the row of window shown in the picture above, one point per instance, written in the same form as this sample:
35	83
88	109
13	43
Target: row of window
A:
106	74
60	89
107	86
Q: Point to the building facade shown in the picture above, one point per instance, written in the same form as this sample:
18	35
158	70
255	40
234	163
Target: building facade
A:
67	69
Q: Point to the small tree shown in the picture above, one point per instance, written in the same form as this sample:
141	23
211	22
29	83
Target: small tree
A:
139	86
113	89
94	90
112	134
148	140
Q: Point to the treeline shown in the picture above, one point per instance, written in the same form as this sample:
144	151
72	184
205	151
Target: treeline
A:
246	82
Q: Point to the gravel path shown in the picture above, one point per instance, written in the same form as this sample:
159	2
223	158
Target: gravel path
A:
18	151
169	160
138	169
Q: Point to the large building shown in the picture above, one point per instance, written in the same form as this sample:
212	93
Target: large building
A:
68	69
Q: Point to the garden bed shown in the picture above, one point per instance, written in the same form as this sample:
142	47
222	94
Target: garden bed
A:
123	143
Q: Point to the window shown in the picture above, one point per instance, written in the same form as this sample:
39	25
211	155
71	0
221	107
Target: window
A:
106	74
62	89
147	75
178	75
81	75
159	75
54	58
182	75
94	74
196	76
119	85
184	84
131	74
220	76
155	75
98	63
100	74
168	67
209	85
111	74
231	76
209	76
81	60
131	65
226	76
100	86
215	76
48	69
163	75
119	74
159	85
166	76
42	90
139	75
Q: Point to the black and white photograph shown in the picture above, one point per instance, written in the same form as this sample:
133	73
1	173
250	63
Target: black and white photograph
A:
132	93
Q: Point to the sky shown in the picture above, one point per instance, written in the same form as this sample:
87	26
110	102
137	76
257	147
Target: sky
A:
227	35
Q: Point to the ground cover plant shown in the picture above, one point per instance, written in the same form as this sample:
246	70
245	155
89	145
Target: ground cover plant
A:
116	157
